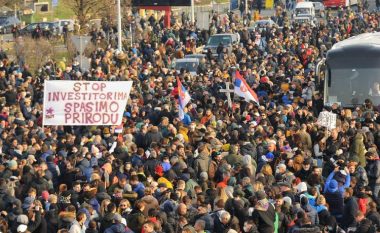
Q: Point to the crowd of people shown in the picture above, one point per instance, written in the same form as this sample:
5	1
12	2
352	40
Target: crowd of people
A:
254	167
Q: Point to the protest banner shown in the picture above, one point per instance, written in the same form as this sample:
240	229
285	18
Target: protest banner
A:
327	119
85	102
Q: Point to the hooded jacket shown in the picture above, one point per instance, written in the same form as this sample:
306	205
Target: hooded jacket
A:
116	228
264	216
136	220
150	202
311	212
201	164
106	221
331	185
358	148
139	189
248	148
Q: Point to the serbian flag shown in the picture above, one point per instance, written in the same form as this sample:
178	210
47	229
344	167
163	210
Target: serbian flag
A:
183	98
242	89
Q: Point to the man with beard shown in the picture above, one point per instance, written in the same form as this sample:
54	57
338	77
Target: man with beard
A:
305	172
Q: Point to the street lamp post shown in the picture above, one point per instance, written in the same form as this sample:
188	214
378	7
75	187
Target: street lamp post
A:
120	46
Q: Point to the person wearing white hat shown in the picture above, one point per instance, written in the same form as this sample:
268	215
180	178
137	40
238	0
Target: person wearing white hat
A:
22	228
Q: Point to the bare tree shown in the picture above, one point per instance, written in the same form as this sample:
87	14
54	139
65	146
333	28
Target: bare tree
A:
85	10
11	3
35	53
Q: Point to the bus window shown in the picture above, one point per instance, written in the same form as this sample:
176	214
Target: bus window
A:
348	85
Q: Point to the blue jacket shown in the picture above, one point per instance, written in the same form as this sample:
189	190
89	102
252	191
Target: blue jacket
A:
117	228
340	188
139	189
187	119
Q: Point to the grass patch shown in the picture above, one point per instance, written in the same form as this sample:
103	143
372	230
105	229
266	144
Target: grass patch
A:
62	11
58	55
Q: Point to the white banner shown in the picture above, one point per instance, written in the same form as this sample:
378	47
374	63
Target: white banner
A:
327	119
85	102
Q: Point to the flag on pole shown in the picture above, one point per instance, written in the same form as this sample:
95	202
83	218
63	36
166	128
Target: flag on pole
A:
183	98
242	89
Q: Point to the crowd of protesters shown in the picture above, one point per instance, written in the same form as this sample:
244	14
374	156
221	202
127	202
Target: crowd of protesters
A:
266	167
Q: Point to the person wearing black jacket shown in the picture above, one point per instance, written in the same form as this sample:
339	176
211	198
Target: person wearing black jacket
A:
364	225
108	218
373	214
264	214
35	221
373	172
350	208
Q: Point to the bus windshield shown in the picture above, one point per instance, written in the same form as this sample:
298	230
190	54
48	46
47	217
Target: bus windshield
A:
217	39
190	66
351	86
303	11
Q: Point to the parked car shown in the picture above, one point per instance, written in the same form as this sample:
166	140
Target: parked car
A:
52	27
227	39
7	23
190	64
306	19
198	56
262	24
62	22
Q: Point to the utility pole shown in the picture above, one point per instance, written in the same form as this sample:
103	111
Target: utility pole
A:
120	46
192	12
81	51
246	7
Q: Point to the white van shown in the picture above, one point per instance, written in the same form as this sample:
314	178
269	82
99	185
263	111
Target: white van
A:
304	8
62	22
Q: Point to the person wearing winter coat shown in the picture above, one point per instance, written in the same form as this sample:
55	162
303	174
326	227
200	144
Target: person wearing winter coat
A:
350	209
67	217
249	227
373	172
78	225
305	226
234	157
40	183
107	220
357	171
202	162
264	214
358	148
226	222
373	214
334	199
340	188
149	200
309	210
136	218
206	217
117	226
364	225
